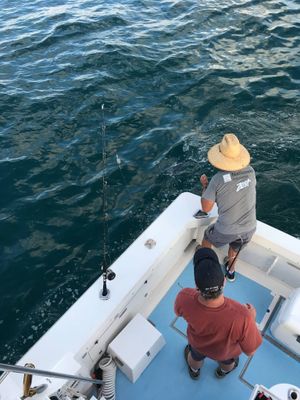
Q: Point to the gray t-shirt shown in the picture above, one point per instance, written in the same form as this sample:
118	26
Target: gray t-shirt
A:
235	195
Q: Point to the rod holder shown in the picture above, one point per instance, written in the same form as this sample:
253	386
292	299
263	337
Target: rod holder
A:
108	275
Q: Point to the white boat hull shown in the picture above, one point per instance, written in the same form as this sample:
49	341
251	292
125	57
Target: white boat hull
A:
75	343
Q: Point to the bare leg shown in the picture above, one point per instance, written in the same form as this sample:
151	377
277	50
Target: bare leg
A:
227	367
232	259
206	243
193	363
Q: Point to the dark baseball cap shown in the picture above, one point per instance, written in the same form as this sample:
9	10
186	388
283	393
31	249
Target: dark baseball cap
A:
209	277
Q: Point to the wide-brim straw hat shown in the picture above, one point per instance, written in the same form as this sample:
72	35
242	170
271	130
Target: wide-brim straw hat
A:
229	155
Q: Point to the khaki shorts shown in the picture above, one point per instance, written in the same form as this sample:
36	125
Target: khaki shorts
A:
236	242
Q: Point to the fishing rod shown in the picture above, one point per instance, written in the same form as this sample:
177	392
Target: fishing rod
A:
108	274
230	264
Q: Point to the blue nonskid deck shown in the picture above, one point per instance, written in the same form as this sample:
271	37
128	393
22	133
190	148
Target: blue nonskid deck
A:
167	376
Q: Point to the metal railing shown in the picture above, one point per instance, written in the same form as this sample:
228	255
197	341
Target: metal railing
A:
47	374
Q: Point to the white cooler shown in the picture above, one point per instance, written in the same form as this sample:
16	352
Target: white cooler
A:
136	346
286	326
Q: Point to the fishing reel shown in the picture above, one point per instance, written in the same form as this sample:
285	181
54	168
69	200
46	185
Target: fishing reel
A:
110	274
107	275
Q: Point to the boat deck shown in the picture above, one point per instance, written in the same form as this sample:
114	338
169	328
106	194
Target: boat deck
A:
167	377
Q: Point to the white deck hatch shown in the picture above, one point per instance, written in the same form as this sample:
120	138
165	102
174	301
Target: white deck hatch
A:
136	346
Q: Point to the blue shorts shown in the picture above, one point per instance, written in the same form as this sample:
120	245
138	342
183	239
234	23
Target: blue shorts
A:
236	242
200	357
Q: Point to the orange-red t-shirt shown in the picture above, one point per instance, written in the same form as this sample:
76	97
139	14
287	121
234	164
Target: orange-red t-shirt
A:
219	333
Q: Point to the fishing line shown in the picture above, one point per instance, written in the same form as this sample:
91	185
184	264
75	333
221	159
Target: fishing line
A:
106	253
107	273
106	262
119	162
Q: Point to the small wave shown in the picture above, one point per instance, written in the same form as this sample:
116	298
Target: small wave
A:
44	194
12	159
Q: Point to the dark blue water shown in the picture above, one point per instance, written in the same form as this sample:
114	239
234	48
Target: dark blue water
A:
173	76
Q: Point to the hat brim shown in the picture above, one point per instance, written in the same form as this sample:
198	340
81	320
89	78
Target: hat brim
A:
218	160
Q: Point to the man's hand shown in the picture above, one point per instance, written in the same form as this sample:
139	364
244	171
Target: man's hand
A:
204	180
251	309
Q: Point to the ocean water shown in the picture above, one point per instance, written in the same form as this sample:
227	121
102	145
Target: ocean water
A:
172	77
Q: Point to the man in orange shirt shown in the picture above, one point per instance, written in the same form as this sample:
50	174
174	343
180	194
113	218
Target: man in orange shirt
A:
218	327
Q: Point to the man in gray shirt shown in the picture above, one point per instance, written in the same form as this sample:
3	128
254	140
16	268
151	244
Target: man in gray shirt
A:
233	188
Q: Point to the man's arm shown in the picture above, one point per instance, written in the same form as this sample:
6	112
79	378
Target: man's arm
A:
206	204
253	314
177	308
252	338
